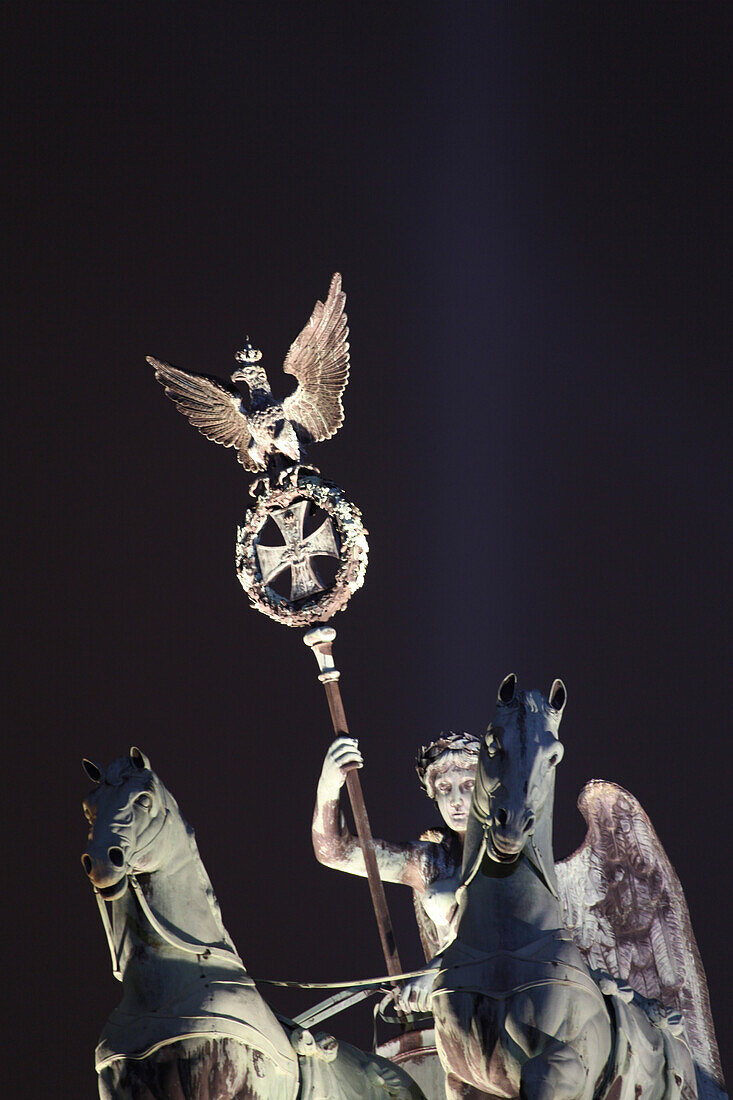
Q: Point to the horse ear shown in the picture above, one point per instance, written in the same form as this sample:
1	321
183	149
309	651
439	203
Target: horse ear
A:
138	759
558	695
507	689
94	773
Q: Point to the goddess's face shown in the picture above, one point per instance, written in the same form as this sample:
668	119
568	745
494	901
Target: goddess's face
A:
453	790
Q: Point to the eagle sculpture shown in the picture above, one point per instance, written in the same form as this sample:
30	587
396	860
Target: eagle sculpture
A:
270	431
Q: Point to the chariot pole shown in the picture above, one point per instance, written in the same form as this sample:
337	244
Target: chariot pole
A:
320	640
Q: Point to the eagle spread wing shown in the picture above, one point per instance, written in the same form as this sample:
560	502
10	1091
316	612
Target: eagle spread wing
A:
624	906
319	359
211	406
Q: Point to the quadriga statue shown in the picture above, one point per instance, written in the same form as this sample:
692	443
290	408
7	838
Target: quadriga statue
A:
539	994
191	1024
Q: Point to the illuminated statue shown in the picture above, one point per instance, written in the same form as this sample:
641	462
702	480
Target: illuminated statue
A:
570	982
520	1007
430	865
191	1024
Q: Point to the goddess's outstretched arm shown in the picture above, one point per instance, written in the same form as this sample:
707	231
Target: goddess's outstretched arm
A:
334	845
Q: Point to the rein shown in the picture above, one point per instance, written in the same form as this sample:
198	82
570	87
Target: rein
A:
201	950
387	979
102	905
349	990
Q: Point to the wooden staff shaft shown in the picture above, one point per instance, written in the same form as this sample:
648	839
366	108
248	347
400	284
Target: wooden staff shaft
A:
320	640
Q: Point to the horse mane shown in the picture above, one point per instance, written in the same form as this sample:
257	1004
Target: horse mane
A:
120	770
198	863
534	702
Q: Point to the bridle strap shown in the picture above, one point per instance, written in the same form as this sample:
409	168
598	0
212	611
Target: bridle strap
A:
104	914
108	932
151	842
204	951
539	865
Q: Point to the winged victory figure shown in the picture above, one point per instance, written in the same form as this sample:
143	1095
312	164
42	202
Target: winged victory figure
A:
624	906
269	430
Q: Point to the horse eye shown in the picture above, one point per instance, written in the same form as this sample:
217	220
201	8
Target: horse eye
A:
144	800
492	745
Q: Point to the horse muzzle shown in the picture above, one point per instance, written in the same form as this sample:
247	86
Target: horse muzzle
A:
504	841
107	876
500	849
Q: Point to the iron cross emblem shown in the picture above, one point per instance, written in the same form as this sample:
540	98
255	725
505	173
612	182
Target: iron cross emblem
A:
298	551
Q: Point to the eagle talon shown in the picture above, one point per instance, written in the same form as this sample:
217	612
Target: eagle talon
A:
259	486
291	474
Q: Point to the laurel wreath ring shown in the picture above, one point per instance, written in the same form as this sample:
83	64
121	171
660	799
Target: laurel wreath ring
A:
354	551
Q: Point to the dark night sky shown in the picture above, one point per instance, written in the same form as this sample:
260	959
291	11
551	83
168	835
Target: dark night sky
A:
527	205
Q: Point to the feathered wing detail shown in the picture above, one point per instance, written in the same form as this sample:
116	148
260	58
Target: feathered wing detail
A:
624	906
212	407
319	359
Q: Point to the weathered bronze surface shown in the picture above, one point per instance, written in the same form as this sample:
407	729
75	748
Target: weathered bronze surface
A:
191	1024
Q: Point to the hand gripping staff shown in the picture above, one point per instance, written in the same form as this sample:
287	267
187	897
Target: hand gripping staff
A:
320	641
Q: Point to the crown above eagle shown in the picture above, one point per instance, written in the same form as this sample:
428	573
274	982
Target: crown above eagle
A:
249	353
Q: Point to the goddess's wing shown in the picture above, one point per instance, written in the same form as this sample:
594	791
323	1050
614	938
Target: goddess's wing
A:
319	359
211	406
624	906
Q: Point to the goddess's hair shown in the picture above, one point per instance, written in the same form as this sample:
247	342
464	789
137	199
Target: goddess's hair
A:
464	745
